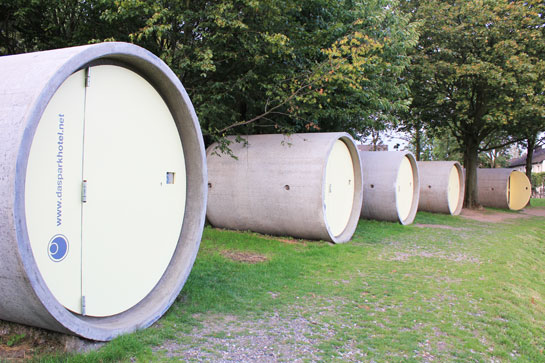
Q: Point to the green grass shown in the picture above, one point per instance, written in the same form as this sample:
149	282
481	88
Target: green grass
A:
473	292
15	339
537	202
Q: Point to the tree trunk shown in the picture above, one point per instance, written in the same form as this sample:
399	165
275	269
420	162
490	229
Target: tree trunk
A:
471	162
375	137
531	143
417	142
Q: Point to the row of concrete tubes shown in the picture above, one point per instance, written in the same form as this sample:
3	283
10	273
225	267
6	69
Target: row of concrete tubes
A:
304	185
278	184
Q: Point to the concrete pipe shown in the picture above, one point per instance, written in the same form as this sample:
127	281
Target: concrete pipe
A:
503	188
303	185
442	186
391	186
102	189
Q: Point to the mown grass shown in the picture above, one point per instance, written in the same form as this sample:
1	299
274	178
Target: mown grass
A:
468	291
537	202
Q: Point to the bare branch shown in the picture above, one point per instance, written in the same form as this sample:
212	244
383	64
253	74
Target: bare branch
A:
487	148
267	112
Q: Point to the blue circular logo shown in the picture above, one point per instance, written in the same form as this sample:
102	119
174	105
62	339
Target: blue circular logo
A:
57	248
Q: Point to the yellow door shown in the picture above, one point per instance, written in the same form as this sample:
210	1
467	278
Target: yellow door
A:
105	191
404	188
339	193
53	192
135	175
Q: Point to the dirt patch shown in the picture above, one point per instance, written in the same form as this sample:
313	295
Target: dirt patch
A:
289	241
454	257
20	342
440	226
242	256
490	216
271	338
535	211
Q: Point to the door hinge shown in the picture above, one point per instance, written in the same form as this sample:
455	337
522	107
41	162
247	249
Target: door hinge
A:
84	191
88	77
83	305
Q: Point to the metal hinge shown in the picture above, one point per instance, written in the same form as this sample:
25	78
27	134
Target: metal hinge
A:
83	305
84	191
88	77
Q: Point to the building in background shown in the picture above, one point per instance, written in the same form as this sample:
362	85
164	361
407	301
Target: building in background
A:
538	166
538	161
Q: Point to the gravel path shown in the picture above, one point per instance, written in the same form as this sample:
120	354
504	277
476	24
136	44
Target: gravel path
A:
224	338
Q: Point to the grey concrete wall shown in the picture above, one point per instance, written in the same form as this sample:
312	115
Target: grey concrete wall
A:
276	185
434	180
492	187
380	170
28	83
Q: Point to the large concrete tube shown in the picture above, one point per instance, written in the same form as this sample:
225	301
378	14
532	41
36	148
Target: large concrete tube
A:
302	185
390	186
503	188
108	254
442	187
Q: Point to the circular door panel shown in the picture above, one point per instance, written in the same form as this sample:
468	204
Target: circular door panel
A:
453	189
404	188
520	190
136	184
105	191
339	193
53	192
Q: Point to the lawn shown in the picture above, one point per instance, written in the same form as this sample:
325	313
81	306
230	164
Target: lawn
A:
444	289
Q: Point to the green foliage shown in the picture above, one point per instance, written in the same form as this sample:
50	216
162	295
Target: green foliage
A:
32	25
15	339
476	71
249	66
437	147
538	179
475	54
257	66
495	158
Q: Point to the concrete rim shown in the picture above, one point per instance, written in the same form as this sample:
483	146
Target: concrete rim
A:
416	190
352	224
153	306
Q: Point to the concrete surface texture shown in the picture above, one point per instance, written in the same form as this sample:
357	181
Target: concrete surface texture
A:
29	81
391	186
503	188
442	187
281	185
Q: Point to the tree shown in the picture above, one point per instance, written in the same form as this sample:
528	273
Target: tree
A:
254	66
530	110
495	158
437	146
32	25
249	66
472	61
538	182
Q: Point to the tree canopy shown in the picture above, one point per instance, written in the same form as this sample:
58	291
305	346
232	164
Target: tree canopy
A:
249	66
463	76
474	71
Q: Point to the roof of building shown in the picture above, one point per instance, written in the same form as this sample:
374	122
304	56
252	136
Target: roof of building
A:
538	157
